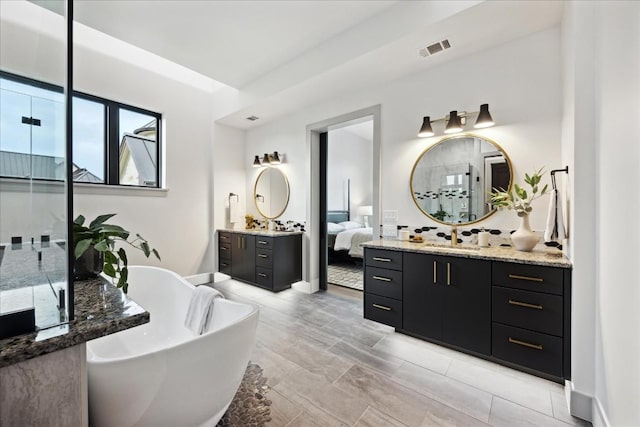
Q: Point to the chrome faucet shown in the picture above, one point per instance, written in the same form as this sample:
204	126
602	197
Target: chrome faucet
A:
454	236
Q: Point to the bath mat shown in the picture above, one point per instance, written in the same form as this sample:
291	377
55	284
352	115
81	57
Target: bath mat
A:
249	406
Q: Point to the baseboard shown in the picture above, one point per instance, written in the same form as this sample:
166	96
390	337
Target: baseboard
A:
600	418
199	279
580	405
302	286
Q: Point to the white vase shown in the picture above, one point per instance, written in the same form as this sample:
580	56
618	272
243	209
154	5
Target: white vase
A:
523	238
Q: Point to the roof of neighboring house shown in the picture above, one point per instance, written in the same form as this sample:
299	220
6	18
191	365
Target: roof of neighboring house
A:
20	165
143	153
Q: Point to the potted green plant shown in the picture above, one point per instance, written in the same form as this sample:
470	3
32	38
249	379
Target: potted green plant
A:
524	239
94	248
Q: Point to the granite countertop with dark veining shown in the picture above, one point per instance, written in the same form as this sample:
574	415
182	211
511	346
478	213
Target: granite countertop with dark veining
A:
100	309
551	257
266	233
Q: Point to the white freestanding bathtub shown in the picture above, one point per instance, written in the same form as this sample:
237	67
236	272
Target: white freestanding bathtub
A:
160	373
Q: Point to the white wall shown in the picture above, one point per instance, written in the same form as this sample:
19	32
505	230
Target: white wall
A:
178	221
349	157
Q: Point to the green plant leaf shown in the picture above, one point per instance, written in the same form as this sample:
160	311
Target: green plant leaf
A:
109	270
124	274
102	245
79	220
145	248
110	257
155	252
100	219
123	256
544	189
81	247
110	228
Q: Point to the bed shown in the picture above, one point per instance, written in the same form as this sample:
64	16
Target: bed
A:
344	236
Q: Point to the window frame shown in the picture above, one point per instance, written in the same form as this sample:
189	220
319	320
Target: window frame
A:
111	137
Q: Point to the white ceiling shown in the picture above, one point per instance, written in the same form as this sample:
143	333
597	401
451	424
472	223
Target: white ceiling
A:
279	56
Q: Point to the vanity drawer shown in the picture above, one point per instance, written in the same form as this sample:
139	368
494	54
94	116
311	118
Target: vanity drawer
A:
383	282
264	258
528	277
264	242
383	259
383	310
224	237
224	250
530	310
264	277
225	266
533	350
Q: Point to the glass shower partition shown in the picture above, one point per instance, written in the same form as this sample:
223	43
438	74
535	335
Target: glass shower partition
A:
34	280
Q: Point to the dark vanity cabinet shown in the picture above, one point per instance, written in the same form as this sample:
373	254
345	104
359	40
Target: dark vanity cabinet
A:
512	313
448	299
272	262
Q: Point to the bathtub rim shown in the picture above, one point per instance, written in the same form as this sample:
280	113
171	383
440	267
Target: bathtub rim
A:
254	311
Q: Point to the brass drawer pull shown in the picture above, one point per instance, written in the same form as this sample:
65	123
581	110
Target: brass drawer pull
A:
262	275
224	237
262	242
435	273
383	279
525	344
224	264
382	307
532	279
525	304
222	248
375	258
448	274
263	256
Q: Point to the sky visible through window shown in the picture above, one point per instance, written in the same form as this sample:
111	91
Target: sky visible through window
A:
19	100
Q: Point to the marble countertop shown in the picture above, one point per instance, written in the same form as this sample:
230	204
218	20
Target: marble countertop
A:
548	257
100	309
257	232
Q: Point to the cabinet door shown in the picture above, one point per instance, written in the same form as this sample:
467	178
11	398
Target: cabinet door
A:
243	254
467	305
422	296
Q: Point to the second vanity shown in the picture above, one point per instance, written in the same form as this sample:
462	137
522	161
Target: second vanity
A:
496	303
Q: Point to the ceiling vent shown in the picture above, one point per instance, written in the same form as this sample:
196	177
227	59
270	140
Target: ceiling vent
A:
253	118
435	48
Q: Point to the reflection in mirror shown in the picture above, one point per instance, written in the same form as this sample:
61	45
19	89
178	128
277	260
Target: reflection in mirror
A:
271	193
451	180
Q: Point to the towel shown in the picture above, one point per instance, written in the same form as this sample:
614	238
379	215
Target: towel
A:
233	209
555	226
200	309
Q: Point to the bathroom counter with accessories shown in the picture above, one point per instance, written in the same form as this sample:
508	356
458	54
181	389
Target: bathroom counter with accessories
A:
258	232
551	257
100	309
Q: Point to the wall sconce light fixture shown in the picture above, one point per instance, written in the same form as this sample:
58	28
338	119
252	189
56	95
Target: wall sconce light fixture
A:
267	160
456	120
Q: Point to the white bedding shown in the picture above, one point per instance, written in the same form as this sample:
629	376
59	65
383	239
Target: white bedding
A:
350	240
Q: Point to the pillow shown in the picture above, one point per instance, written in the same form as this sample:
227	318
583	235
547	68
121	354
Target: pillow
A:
348	225
332	227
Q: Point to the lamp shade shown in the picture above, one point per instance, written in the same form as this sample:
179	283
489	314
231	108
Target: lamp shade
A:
484	119
365	210
265	159
275	159
453	125
256	162
426	129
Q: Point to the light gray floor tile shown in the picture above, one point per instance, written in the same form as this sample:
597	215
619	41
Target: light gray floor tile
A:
509	414
400	402
365	355
274	366
500	384
349	331
311	414
374	418
283	411
317	360
455	394
414	352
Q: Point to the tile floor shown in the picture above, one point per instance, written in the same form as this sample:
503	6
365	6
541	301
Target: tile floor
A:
328	366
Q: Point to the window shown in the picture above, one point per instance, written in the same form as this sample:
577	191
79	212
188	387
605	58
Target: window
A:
113	143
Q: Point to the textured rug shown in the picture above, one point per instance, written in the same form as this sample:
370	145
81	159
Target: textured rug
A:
345	274
249	407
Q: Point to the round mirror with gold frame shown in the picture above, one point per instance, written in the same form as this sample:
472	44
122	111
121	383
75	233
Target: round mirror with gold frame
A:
451	180
271	193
